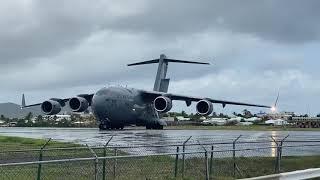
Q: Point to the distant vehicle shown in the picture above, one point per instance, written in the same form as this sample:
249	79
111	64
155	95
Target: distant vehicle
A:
116	107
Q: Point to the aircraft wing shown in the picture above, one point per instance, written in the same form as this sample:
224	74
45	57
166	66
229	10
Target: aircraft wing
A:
62	102
151	95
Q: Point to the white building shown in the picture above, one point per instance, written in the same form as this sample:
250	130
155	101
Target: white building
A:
3	124
236	118
181	118
215	121
253	119
245	123
277	122
58	117
169	119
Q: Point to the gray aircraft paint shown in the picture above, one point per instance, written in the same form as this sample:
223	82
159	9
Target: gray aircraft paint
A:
121	106
161	84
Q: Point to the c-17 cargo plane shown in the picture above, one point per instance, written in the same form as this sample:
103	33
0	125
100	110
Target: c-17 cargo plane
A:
116	107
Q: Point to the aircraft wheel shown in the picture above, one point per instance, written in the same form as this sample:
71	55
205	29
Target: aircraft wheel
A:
158	126
103	127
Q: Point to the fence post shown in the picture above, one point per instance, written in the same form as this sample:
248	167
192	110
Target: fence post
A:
211	161
234	156
104	163
277	165
96	161
115	163
183	155
206	161
40	159
280	152
176	163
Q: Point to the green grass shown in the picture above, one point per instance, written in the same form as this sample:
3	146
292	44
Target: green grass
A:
14	143
245	128
152	167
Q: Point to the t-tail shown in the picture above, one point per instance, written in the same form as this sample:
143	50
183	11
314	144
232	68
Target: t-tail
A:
161	83
23	103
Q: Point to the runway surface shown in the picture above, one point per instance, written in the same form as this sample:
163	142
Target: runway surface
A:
132	136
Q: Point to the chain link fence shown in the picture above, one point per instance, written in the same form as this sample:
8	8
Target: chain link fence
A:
193	158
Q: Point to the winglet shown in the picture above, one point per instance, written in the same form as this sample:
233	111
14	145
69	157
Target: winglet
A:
274	107
275	104
23	103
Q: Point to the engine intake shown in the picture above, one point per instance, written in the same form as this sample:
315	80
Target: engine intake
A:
162	104
78	104
204	107
50	107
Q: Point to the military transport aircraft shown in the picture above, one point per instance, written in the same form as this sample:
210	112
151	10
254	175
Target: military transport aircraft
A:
116	107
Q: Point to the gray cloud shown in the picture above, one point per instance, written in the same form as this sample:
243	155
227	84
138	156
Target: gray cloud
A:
283	21
62	48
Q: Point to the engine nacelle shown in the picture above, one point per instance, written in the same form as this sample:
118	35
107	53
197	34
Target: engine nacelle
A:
50	107
162	104
78	104
204	107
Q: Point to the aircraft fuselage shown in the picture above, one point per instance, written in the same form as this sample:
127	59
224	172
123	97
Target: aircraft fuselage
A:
115	107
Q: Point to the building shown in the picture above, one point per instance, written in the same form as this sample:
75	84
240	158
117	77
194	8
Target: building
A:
277	122
281	115
236	118
295	119
306	122
253	119
181	118
215	121
3	123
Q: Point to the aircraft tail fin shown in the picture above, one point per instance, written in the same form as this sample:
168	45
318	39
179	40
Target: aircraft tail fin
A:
23	103
162	83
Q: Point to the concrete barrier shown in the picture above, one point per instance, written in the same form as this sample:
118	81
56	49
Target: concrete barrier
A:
295	175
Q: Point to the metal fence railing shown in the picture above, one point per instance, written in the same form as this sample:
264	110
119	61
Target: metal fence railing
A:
194	158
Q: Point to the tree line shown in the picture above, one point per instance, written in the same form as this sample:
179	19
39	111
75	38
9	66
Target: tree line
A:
76	120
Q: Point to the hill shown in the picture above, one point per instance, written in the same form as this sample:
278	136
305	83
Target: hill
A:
12	110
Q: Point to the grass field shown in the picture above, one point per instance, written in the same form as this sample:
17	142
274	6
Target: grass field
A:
155	167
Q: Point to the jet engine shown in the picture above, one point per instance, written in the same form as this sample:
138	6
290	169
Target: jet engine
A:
78	104
50	107
204	107
162	104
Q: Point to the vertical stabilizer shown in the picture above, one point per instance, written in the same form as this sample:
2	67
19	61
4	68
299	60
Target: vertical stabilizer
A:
23	103
161	83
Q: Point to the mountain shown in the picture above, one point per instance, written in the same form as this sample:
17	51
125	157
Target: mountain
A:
12	110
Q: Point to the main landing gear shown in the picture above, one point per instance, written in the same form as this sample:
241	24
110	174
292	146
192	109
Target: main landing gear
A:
154	126
108	126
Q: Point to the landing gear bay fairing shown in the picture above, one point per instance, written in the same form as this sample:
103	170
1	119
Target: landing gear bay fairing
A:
116	107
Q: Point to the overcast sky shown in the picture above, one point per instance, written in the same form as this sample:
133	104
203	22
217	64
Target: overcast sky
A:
62	48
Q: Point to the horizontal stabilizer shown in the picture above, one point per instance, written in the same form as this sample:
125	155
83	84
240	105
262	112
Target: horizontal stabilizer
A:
183	61
166	60
145	62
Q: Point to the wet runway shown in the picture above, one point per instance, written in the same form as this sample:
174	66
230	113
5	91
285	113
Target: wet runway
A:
132	137
94	137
